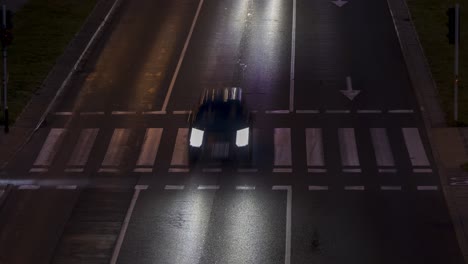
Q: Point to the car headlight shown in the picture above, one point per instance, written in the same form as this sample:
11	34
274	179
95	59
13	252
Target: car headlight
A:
196	137
242	137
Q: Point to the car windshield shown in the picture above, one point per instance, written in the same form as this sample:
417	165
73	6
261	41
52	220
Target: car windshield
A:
221	116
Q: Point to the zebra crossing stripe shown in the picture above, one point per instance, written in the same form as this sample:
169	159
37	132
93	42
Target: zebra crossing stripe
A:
314	147
150	148
348	149
83	148
180	153
50	147
116	148
382	149
415	147
282	141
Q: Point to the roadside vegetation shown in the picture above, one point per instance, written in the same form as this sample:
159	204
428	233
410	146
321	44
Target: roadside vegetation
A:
42	30
430	19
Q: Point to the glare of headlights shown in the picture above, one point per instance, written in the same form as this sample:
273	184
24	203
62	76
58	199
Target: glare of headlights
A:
242	137
196	137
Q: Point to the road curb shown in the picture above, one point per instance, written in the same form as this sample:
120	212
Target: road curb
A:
433	117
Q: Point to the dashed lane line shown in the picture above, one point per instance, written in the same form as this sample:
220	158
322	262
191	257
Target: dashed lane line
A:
354	188
317	188
208	187
174	187
245	188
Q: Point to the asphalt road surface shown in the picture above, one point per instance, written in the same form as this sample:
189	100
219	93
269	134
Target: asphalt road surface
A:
341	171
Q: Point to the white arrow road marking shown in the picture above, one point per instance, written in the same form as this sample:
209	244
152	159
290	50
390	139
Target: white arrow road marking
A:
349	92
340	3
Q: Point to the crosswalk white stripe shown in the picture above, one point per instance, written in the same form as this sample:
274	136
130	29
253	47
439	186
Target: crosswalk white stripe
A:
83	147
150	147
116	147
282	141
180	153
383	151
50	147
415	147
348	149
314	147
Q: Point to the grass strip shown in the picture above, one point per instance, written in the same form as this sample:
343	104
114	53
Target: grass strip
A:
431	20
42	30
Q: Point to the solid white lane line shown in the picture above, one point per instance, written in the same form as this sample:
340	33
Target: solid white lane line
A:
421	170
181	112
208	187
390	188
180	153
66	187
116	148
293	59
427	188
354	188
179	170
415	147
314	147
77	63
317	188
348	149
282	141
174	187
38	170
181	59
50	147
245	188
123	230
277	112
287	257
338	111
150	147
382	149
28	187
124	112
63	113
91	113
401	111
307	111
83	147
154	113
369	111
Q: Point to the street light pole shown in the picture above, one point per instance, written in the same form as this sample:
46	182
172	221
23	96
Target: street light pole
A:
457	38
4	50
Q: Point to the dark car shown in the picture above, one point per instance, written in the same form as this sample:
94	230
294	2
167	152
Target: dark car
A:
220	128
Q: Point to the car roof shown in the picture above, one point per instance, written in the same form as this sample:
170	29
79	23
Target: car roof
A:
221	109
221	95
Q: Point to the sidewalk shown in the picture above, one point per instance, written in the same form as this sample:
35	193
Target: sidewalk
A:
447	143
25	124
